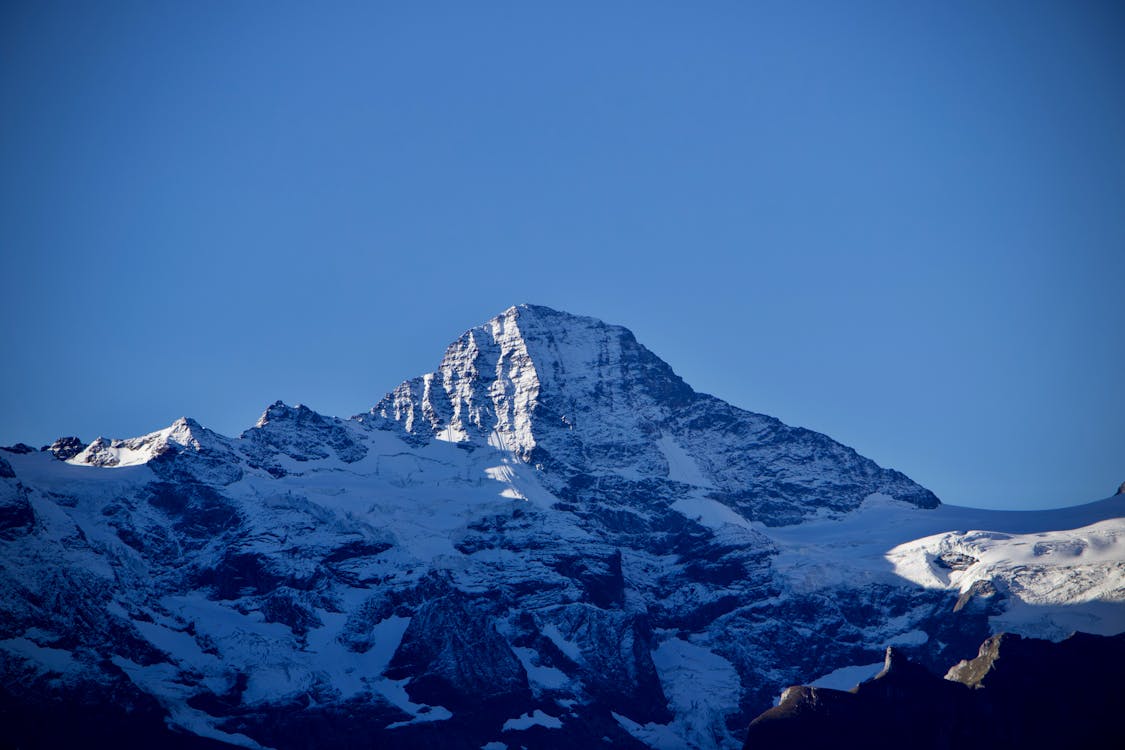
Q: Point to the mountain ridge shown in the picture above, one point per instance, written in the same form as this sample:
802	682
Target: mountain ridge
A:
549	540
1016	692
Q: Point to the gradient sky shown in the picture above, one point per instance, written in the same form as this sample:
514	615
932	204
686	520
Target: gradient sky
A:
902	224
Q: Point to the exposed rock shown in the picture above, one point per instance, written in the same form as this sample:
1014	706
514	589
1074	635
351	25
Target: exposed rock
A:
951	560
16	514
1018	692
302	435
65	448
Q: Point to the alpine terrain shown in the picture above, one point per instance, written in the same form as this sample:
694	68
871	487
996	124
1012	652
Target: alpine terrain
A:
550	541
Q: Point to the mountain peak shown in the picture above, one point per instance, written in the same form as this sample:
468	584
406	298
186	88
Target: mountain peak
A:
185	432
279	411
583	399
532	369
538	318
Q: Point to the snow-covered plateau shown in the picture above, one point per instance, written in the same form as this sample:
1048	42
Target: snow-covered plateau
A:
550	541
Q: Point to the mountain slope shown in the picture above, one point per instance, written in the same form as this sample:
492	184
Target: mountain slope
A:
549	540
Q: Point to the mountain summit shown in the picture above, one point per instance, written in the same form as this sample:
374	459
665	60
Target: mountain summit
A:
583	401
551	541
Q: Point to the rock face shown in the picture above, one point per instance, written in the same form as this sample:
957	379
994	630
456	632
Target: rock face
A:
16	515
550	541
1017	692
582	400
65	448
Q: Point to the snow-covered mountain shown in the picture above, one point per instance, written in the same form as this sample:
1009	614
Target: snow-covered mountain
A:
549	540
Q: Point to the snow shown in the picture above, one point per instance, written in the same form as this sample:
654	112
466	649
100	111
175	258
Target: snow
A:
139	450
526	721
540	677
162	681
1067	565
711	513
422	713
568	647
698	684
657	736
909	638
1058	580
846	678
681	466
47	659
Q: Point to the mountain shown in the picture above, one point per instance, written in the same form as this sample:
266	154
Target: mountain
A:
1017	692
549	540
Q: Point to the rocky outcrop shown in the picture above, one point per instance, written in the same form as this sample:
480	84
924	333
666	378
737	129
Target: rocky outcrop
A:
65	448
1018	692
300	434
16	514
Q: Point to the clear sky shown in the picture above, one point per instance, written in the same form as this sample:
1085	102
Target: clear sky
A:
902	224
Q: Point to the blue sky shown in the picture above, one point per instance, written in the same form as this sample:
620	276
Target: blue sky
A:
902	224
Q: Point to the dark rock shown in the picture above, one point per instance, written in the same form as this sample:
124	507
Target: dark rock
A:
46	714
65	448
1018	692
300	433
205	465
18	448
198	511
982	593
456	659
16	514
601	580
291	608
954	560
245	573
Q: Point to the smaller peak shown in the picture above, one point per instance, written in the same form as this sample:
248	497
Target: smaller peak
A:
65	448
185	431
279	411
972	672
275	411
1121	489
894	659
897	666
